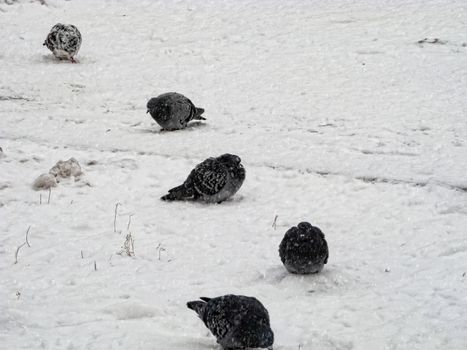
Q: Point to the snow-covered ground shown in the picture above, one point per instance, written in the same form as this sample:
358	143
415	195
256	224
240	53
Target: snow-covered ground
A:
340	119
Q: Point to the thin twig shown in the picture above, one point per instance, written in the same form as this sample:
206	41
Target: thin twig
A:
40	198
274	224
132	249
17	251
27	242
50	193
95	265
160	249
82	256
129	222
115	216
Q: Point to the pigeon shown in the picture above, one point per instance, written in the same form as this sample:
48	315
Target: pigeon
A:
237	321
212	181
303	249
64	40
173	111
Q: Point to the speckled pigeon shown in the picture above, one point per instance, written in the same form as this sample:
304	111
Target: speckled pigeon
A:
304	249
64	40
237	321
212	181
173	111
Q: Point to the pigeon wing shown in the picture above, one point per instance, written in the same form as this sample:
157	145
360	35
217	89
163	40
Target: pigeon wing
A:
72	40
209	177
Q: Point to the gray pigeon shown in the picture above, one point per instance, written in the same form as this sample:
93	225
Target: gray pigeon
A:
64	40
212	181
173	111
303	249
237	321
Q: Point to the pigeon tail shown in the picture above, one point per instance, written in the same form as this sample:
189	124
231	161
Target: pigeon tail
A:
178	193
198	113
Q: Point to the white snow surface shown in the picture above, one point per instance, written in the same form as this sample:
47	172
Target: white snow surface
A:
340	118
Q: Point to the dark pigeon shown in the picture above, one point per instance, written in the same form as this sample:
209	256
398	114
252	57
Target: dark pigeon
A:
237	321
64	40
303	249
173	111
212	181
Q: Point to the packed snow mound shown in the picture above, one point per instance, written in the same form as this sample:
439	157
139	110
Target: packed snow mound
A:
60	171
44	182
66	169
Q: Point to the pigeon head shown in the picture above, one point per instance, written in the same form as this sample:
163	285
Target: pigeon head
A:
304	232
197	306
152	104
305	228
158	109
267	338
233	163
230	159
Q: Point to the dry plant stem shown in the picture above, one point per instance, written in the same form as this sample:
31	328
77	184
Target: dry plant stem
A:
26	242
274	224
129	245
115	216
27	232
95	265
160	249
50	193
129	222
17	251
